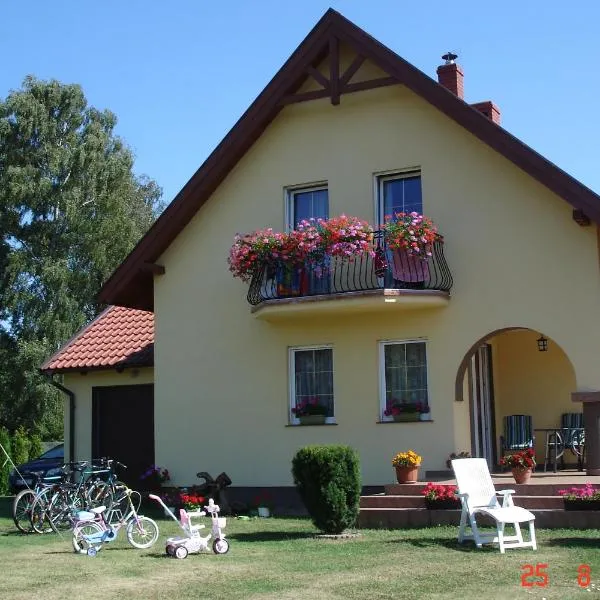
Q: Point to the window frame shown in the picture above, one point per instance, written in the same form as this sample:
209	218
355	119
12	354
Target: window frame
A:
382	382
291	191
381	177
292	379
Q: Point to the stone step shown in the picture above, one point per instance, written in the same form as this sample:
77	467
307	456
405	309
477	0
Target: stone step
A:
525	489
405	501
395	518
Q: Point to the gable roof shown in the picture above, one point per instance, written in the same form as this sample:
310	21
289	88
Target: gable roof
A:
119	337
132	282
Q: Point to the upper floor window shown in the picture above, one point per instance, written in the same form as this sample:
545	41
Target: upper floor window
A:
311	378
307	203
403	374
400	192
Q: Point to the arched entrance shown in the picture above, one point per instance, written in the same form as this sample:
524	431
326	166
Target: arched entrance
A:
505	373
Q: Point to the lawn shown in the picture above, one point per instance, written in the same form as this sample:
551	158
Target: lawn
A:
283	559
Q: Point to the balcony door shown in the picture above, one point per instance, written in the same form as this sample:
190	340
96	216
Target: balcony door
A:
482	405
304	203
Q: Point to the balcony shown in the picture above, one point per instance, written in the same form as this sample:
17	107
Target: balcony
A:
390	280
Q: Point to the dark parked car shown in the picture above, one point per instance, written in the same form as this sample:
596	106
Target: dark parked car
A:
49	463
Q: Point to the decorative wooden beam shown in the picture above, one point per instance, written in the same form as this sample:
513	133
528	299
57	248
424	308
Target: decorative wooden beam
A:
334	69
581	218
351	70
318	77
369	85
314	95
153	268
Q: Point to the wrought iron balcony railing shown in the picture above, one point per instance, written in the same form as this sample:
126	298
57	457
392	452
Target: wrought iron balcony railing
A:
389	269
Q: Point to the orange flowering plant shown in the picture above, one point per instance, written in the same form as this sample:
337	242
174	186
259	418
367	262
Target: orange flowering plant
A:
407	459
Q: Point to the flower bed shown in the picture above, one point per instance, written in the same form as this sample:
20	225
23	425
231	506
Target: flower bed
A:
586	497
440	496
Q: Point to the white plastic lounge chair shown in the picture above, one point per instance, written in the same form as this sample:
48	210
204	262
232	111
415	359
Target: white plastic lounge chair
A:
478	495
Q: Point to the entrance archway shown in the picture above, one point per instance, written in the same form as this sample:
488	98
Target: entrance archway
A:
504	373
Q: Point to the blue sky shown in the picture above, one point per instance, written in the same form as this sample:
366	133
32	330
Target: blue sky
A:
178	74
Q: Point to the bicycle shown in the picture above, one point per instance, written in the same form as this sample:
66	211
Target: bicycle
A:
25	499
100	525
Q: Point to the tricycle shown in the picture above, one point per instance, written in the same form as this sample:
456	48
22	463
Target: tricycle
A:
180	547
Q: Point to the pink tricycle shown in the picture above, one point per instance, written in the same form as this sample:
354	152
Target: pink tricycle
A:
180	547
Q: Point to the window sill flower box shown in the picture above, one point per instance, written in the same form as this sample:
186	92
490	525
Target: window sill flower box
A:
312	419
406	417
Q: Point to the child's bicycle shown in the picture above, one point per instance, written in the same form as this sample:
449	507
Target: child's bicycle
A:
180	547
100	525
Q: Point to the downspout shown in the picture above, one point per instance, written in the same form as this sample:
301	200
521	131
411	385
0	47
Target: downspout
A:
71	396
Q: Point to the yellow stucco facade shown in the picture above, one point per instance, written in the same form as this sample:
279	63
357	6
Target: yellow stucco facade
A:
517	259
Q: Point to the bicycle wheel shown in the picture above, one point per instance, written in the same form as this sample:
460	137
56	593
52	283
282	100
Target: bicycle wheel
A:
142	532
82	534
39	521
21	510
100	493
60	512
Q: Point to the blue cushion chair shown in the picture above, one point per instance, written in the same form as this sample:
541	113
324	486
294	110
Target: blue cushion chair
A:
518	434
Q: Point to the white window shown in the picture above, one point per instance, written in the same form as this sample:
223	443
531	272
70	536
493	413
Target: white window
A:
311	379
403	375
307	203
399	192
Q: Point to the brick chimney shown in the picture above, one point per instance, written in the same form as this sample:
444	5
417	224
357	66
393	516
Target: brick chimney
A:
489	109
451	76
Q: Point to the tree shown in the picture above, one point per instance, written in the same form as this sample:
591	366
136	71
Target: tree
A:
71	209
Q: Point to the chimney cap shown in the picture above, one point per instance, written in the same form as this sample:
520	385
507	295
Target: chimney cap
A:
449	57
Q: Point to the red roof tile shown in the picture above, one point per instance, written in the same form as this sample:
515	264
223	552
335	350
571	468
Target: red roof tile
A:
118	337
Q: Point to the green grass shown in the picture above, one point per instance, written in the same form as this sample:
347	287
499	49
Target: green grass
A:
282	559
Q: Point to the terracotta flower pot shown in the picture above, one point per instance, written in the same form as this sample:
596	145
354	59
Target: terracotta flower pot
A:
521	475
409	267
407	474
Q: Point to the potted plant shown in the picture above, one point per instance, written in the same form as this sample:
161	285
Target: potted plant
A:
192	501
407	466
453	455
311	412
343	236
154	477
172	501
286	255
440	496
521	464
585	497
264	504
405	411
410	237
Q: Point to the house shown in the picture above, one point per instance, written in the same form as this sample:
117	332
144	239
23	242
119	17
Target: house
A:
346	126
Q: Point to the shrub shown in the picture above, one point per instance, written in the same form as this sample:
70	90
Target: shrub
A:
20	447
35	446
328	481
5	465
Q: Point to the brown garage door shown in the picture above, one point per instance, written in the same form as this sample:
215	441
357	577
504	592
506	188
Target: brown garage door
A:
123	427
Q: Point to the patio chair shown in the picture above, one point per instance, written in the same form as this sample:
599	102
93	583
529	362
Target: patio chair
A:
574	437
518	433
478	496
